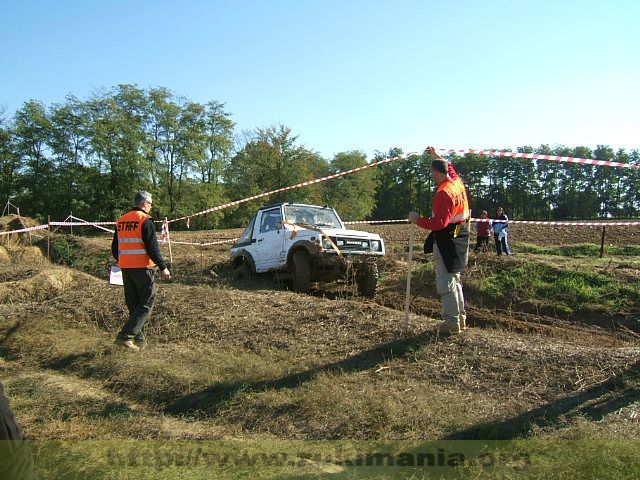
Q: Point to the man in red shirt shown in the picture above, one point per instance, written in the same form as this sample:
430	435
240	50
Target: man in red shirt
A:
449	225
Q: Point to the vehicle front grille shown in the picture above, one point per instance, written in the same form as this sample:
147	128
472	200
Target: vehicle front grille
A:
346	243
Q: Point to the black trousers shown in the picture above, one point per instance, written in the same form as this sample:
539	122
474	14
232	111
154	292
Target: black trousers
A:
16	461
139	294
482	243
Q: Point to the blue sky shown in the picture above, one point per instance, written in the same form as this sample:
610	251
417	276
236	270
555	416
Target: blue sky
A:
350	74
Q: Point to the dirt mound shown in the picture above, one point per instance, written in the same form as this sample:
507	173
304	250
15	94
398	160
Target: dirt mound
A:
5	257
14	222
47	283
31	255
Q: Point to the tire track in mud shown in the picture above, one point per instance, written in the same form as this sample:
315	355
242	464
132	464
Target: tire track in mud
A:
519	322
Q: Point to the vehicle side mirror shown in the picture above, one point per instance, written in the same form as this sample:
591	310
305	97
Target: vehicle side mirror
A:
278	225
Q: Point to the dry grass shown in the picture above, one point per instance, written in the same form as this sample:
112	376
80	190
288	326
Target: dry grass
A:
255	361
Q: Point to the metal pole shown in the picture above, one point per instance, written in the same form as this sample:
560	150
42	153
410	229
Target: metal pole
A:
602	243
71	217
407	300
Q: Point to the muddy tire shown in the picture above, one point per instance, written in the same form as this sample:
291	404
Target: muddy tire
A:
243	271
301	272
367	280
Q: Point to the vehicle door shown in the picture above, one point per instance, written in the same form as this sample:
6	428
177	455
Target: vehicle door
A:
269	235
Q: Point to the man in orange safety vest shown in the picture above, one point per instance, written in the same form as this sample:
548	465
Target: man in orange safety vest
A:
135	246
449	240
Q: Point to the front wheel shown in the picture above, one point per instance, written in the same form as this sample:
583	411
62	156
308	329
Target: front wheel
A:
301	273
367	280
243	271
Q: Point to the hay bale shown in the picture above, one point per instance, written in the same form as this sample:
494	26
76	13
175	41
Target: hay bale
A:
14	222
47	283
31	255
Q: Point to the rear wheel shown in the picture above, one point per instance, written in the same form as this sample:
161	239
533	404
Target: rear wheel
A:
367	280
301	273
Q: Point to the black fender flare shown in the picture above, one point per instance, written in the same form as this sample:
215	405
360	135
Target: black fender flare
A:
312	248
244	256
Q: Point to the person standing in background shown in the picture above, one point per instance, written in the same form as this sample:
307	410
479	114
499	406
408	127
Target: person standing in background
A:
500	224
483	232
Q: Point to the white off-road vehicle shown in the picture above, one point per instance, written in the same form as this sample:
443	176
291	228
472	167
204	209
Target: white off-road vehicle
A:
307	243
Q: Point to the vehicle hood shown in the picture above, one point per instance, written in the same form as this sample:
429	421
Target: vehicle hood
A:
337	232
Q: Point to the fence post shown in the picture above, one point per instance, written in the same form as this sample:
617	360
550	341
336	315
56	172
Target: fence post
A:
407	300
49	237
602	243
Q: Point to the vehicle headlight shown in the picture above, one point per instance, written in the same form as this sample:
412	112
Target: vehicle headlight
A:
326	244
375	245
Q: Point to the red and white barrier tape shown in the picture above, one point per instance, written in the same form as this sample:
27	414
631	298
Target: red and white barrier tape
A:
292	187
538	156
534	156
374	222
603	223
91	224
28	229
81	224
219	242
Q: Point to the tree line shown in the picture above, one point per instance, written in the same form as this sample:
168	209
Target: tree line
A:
89	156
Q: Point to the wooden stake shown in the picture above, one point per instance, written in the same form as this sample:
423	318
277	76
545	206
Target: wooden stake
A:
49	237
602	243
169	241
407	300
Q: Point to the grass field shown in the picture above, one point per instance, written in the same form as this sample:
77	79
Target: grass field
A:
251	380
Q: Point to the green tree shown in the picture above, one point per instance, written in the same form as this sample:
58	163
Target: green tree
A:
270	160
392	192
117	133
32	134
219	138
353	196
9	161
631	196
605	179
70	145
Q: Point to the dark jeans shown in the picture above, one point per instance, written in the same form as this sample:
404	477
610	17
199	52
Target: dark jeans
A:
502	245
482	243
139	294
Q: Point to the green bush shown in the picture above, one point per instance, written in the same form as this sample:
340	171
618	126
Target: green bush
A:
64	252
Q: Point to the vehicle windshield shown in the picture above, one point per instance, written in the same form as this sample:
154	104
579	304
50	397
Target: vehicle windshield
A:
248	232
309	215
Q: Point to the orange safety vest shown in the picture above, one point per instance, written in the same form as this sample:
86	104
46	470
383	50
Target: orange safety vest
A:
456	192
131	250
